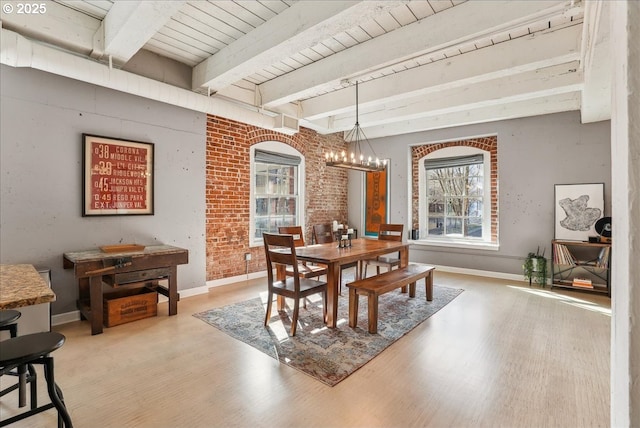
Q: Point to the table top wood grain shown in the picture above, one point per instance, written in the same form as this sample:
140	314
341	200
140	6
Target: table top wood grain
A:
361	248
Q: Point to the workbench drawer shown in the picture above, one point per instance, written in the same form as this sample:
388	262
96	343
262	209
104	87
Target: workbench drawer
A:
136	276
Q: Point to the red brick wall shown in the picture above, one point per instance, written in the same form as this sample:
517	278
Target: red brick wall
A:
228	191
489	144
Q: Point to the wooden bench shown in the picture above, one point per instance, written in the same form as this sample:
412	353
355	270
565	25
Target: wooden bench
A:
375	286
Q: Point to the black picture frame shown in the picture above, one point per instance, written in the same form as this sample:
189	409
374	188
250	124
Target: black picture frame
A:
577	208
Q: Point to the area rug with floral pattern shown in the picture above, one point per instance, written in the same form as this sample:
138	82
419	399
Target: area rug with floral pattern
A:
327	354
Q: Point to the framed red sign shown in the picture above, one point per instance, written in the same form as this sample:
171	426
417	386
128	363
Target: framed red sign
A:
117	176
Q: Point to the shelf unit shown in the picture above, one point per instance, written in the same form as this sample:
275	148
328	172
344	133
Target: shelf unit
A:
575	262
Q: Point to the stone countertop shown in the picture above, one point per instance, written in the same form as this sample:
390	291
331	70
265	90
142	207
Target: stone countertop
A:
22	285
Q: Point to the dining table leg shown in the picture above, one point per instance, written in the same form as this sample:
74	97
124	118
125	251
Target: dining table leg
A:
333	283
404	262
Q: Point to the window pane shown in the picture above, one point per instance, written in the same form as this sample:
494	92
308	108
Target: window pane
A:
432	174
474	227
474	208
273	184
436	207
283	206
453	226
260	182
435	190
262	206
476	170
436	226
454	206
475	186
262	225
275	169
284	221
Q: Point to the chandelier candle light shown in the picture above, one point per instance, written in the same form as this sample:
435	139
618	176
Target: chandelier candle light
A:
357	159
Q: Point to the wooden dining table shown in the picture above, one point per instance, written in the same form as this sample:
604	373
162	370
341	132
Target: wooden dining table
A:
333	257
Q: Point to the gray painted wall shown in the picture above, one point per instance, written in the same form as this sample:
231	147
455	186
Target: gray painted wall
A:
42	118
534	154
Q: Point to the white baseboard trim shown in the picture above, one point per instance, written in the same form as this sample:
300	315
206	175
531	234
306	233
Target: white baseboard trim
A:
75	315
65	318
237	278
485	273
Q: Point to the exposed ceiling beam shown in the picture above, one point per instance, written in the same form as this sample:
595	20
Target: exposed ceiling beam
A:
497	61
434	33
304	24
59	26
565	78
129	25
596	95
547	105
18	51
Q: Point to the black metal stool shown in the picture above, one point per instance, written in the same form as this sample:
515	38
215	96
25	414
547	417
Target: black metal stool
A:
26	373
34	349
8	320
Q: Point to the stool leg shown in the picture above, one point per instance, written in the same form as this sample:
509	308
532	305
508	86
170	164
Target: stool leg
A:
34	386
22	385
59	392
53	389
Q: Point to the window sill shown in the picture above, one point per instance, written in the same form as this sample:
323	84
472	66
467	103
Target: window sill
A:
489	246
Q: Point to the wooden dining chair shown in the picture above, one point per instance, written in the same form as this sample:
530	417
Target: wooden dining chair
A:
323	233
281	249
305	270
387	232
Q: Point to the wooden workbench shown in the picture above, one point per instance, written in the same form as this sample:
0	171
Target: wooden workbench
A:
92	268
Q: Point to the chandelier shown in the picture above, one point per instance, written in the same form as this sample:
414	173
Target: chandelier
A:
357	159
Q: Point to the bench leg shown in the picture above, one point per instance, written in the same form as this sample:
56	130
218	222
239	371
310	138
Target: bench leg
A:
412	289
428	280
353	308
373	313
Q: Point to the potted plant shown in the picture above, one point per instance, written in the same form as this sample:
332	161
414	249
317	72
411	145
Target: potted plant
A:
535	268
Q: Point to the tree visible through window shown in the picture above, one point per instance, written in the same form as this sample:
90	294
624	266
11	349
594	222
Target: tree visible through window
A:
455	196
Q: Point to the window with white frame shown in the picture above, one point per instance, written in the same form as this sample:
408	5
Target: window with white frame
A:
455	196
276	188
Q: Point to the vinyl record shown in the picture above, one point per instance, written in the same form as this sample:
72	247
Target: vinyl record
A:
603	227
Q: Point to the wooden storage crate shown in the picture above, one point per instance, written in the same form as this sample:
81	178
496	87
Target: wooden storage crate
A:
128	305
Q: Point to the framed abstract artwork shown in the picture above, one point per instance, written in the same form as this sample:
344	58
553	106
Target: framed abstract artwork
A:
117	176
375	201
577	208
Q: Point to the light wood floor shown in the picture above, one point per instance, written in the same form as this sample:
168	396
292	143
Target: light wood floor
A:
500	355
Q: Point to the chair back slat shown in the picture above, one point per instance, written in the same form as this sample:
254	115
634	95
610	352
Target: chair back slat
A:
280	249
296	231
323	233
391	232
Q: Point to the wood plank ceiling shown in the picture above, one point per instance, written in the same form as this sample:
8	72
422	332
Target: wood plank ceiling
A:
420	64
